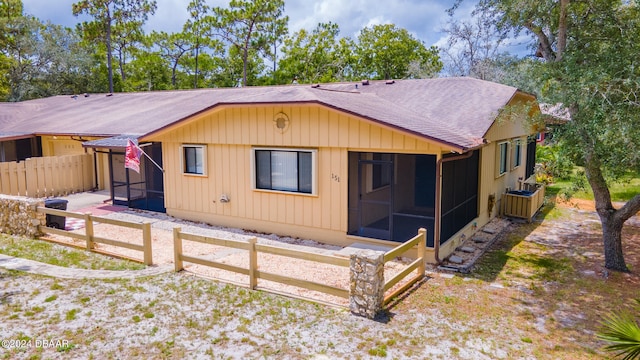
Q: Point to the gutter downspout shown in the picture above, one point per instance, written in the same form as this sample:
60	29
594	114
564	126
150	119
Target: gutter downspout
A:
438	207
95	170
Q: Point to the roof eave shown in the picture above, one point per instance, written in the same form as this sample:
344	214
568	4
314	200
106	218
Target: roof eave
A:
516	93
16	137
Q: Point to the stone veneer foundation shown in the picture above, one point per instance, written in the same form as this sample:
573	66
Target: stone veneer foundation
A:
19	216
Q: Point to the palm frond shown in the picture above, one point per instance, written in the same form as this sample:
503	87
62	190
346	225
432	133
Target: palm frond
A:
623	332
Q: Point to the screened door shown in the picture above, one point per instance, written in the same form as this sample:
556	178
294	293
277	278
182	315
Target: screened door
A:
119	182
375	204
144	190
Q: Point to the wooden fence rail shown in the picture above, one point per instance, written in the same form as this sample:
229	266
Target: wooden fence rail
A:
252	271
90	237
421	241
47	176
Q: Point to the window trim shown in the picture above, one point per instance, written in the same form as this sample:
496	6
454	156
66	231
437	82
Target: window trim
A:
314	170
204	159
501	171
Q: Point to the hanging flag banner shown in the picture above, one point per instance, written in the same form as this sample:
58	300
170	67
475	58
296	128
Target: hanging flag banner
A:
132	156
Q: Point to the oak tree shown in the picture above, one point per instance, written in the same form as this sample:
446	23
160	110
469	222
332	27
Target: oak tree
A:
589	62
386	52
310	57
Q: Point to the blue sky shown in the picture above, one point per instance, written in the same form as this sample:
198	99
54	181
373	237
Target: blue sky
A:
424	19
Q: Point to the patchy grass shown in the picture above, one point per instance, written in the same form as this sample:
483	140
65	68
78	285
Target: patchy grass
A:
539	293
46	252
517	261
622	190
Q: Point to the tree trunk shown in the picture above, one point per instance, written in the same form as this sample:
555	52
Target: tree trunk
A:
612	220
108	43
562	30
545	48
173	74
612	238
245	57
121	60
195	80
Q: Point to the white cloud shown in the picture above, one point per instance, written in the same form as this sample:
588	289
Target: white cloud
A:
423	19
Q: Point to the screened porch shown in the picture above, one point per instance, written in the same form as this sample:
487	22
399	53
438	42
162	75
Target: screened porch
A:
391	196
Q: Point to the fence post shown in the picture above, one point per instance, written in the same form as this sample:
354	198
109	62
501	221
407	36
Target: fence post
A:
88	230
422	251
177	249
366	274
146	243
253	263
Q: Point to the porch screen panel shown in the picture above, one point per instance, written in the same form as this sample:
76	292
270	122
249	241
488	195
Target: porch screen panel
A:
381	173
459	195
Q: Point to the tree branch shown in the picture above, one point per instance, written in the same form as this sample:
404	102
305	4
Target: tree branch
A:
545	50
631	208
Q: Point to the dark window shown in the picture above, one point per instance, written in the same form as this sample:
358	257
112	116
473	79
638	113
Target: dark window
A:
194	159
531	157
284	170
503	158
517	161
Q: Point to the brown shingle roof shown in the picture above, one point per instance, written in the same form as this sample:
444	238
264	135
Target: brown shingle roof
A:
453	111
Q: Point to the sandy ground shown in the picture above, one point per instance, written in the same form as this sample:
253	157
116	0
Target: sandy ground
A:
509	314
163	253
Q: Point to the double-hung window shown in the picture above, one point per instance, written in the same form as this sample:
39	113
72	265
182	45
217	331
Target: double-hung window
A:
289	170
503	158
194	159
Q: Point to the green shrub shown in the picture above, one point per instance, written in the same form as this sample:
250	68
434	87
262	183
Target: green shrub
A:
554	164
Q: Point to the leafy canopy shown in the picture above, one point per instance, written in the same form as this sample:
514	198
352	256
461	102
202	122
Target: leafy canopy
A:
387	52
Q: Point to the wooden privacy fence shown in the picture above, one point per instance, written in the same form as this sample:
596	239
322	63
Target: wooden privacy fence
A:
421	241
90	237
47	176
253	248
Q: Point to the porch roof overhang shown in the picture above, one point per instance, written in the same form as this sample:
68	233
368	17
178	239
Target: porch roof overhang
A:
115	142
8	136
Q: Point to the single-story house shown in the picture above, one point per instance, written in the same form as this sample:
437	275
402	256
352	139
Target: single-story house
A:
369	161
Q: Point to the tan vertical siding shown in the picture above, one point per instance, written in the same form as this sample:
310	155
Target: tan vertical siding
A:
230	133
502	130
